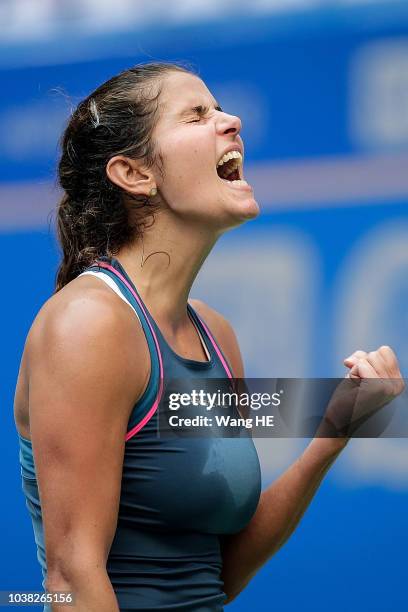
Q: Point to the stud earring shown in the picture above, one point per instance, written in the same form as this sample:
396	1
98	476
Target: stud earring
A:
153	192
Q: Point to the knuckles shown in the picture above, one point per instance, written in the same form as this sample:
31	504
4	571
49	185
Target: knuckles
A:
392	383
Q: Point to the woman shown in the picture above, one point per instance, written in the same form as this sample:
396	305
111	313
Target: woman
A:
151	167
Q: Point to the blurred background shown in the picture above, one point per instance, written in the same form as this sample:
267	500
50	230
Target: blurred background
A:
322	90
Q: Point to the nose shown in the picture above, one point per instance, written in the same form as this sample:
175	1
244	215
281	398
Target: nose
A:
229	124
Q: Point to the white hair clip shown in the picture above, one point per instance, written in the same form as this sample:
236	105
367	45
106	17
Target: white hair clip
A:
94	113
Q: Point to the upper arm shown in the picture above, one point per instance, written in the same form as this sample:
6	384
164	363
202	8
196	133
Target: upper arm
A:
81	359
223	334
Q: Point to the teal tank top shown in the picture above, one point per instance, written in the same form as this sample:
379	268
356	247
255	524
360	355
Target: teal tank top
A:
179	496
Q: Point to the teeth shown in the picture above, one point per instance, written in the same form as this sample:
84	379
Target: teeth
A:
231	155
237	183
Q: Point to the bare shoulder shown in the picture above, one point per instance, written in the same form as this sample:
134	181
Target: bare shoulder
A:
86	322
224	334
85	307
82	297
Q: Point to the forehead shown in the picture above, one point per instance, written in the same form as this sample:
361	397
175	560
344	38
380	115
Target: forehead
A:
182	91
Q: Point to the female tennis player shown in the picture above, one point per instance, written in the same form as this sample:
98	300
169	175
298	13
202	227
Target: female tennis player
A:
151	169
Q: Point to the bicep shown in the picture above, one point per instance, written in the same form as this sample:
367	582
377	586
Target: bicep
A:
79	401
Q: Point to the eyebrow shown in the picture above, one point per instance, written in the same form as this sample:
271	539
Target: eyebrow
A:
200	109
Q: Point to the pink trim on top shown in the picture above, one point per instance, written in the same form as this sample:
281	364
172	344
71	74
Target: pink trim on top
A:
215	345
155	405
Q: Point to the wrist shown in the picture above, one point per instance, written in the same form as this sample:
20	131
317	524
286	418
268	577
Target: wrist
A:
329	446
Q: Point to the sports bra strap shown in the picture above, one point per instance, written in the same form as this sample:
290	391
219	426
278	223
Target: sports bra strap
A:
148	403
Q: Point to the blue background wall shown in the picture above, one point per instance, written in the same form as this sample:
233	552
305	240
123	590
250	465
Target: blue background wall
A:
323	271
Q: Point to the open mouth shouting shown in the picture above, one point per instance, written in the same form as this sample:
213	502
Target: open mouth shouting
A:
229	170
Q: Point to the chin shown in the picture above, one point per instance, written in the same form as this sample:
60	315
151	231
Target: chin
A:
252	209
238	199
246	209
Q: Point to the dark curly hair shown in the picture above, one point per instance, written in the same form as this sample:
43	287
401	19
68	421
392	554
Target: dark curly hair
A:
93	217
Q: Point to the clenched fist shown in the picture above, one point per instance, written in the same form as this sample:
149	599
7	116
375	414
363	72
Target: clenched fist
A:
381	363
374	379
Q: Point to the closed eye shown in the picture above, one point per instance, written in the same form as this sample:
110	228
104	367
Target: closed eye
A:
201	111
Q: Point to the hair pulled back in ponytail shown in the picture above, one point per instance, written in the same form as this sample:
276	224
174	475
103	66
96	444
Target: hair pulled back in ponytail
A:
117	118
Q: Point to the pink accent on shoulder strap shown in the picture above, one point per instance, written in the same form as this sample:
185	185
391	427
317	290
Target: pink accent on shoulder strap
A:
155	405
215	345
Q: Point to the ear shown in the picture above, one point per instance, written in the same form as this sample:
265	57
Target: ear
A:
131	175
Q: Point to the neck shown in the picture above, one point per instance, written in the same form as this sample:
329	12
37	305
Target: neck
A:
164	263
